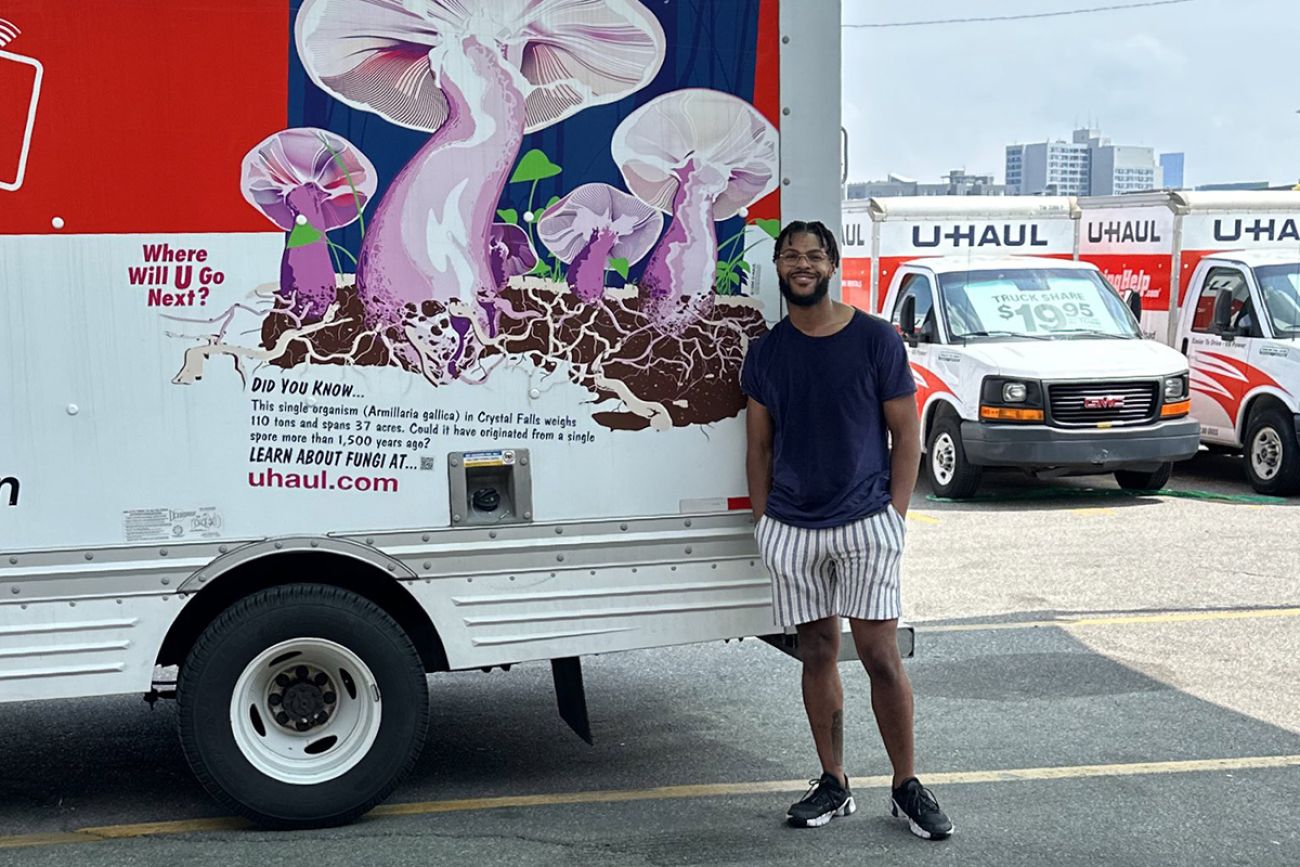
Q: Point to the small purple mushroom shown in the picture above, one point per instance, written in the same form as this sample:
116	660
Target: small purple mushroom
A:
592	224
311	181
701	155
476	76
512	253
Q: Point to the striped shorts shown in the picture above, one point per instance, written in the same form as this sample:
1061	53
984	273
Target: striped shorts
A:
850	571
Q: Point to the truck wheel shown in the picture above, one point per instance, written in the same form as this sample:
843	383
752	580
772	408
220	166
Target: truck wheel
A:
1272	452
302	706
1132	480
946	467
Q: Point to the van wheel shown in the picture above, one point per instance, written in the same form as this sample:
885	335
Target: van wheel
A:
949	473
1131	480
1272	452
302	706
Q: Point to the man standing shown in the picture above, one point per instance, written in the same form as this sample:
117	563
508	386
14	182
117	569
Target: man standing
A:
828	388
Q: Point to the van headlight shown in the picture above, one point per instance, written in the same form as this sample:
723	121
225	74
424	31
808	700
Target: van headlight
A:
1175	387
1009	399
1014	392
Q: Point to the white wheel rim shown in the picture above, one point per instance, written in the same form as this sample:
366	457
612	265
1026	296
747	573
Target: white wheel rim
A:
1266	453
329	747
943	459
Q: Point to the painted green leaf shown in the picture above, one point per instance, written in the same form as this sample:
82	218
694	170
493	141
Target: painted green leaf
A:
303	234
733	278
620	267
742	265
551	204
509	215
541	269
534	166
772	227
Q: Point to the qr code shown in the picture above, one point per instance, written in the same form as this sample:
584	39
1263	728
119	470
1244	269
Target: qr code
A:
426	463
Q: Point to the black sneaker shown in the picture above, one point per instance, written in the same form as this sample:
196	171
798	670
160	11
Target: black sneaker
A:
915	804
826	798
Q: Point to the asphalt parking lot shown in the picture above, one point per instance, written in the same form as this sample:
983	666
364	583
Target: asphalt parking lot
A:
1100	678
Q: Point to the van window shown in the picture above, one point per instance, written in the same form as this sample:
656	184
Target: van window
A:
1221	280
918	286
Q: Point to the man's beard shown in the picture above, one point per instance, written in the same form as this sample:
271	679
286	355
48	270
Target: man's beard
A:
823	286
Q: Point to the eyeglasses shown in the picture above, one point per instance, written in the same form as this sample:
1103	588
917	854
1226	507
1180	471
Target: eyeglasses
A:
816	257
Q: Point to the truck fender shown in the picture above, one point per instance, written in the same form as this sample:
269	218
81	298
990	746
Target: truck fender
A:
245	569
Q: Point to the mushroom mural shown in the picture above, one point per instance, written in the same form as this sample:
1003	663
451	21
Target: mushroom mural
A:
308	182
476	76
700	155
511	254
593	224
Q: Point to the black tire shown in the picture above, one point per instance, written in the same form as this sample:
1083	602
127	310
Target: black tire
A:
948	471
1136	480
1272	452
304	612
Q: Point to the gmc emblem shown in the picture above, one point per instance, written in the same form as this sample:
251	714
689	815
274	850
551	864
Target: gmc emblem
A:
1110	401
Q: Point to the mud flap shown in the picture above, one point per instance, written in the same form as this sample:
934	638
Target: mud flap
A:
571	696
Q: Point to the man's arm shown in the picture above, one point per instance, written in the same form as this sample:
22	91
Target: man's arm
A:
905	449
758	455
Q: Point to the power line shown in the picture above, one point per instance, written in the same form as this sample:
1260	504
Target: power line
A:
1020	17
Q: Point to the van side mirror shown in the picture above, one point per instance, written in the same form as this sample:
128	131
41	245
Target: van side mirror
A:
1223	315
907	319
1135	304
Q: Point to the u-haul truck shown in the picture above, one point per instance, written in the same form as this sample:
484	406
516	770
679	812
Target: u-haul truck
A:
1023	357
1218	275
344	377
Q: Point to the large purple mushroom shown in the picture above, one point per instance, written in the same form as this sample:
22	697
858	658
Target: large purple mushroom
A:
593	224
700	155
477	76
511	253
308	182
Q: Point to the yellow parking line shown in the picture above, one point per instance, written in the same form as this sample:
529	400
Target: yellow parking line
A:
1116	620
663	793
921	518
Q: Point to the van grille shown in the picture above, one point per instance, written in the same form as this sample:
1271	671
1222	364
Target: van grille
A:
1086	404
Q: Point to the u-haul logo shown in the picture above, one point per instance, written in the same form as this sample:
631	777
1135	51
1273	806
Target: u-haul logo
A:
854	236
1124	232
974	235
1236	229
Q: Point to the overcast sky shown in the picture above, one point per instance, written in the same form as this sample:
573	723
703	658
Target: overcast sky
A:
1216	79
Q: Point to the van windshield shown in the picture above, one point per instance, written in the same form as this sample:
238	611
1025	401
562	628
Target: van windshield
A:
1051	303
1280	286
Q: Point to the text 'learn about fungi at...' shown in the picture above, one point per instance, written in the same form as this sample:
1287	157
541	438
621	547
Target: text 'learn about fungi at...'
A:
459	270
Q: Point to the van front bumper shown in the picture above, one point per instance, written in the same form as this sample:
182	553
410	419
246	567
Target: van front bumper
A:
1040	446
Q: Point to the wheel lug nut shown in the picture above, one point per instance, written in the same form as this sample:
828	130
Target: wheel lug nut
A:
282	718
302	725
301	672
330	697
274	699
320	679
282	680
322	716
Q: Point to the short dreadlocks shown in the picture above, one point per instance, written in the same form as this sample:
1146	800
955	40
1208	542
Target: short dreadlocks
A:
815	227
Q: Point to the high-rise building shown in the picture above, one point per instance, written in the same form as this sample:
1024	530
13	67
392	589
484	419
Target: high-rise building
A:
1087	165
1171	165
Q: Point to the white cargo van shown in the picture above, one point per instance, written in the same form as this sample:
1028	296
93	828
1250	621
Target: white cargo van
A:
1023	361
1218	275
312	396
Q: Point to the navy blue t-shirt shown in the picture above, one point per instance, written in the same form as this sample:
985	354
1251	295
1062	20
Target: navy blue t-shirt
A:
830	452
